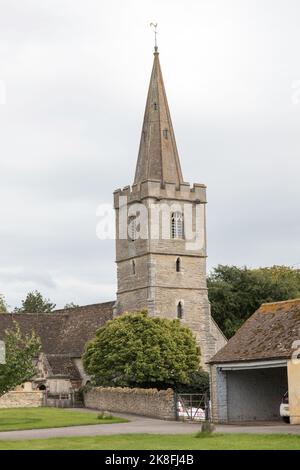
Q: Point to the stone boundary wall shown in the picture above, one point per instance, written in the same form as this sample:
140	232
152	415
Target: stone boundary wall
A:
22	399
144	402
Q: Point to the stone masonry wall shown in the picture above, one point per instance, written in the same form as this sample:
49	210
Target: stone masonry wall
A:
147	274
144	402
20	399
218	392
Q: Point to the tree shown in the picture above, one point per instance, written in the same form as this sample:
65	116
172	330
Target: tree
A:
20	351
235	293
136	350
3	304
71	305
35	303
198	383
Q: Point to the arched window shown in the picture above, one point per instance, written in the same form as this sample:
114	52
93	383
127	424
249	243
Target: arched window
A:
155	106
165	133
132	228
177	225
133	267
178	265
179	310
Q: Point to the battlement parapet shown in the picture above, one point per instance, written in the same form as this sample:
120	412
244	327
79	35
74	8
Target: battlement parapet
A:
156	190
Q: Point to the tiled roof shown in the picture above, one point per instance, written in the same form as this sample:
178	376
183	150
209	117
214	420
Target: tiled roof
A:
81	326
268	334
63	365
48	327
63	331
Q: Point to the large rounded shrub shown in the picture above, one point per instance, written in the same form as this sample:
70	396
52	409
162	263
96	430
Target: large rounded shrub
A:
137	350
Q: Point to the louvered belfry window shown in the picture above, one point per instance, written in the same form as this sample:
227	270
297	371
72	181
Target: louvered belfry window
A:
132	229
177	225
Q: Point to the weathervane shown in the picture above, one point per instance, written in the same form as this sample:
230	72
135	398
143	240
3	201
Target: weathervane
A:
154	28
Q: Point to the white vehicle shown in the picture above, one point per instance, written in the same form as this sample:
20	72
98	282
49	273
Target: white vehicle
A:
285	409
192	413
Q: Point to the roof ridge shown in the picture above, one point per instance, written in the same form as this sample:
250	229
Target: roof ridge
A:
281	302
32	314
268	334
83	306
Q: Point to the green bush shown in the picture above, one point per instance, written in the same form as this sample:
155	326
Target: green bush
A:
136	350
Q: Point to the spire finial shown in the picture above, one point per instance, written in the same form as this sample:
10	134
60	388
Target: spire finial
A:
154	28
158	158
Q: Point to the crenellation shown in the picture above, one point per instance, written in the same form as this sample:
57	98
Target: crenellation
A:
168	191
127	191
150	189
184	190
135	190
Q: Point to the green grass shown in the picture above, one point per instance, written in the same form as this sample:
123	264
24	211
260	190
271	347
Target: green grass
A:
162	442
16	419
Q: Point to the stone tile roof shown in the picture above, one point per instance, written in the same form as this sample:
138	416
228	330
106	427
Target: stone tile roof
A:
63	332
63	365
81	326
268	334
47	326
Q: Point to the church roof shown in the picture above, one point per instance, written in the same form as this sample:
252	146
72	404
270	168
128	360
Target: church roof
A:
268	334
63	365
158	156
81	325
63	332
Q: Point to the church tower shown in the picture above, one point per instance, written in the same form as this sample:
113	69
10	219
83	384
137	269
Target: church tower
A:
161	231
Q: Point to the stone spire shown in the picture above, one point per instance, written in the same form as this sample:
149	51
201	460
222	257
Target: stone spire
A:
158	156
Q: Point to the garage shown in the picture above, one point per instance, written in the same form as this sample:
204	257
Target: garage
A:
256	394
258	366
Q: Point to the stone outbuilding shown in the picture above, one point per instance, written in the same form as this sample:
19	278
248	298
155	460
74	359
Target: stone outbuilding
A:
251	374
63	334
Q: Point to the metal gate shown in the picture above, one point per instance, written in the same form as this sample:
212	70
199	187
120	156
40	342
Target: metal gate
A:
192	407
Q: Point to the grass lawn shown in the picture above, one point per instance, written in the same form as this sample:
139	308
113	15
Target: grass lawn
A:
14	419
162	442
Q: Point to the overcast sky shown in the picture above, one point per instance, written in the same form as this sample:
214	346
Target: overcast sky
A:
76	75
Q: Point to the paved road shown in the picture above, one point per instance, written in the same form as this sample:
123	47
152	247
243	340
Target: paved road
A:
139	424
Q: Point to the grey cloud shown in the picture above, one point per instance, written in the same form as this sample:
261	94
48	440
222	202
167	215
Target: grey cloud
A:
77	77
26	276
